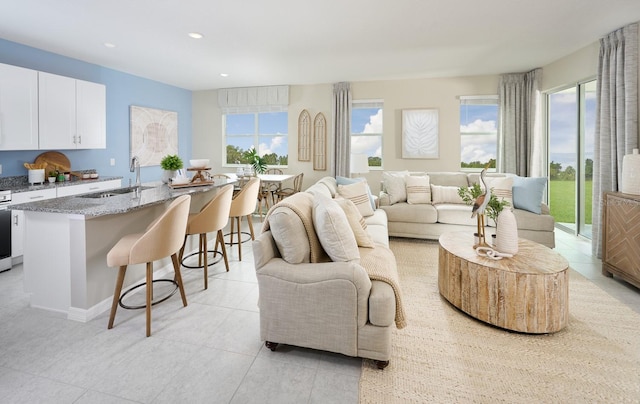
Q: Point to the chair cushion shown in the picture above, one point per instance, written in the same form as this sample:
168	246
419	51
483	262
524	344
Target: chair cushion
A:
358	194
334	233
356	222
120	254
418	189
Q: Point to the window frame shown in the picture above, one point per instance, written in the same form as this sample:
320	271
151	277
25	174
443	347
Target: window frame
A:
491	99
368	104
256	134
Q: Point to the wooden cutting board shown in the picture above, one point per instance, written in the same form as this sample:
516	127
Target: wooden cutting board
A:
55	161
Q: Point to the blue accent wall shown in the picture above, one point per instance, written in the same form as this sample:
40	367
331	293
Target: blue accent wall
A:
123	90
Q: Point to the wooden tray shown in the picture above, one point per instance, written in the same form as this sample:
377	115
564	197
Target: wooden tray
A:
192	184
54	161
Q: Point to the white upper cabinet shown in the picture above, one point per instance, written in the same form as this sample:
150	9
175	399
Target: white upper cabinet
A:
18	108
72	113
91	106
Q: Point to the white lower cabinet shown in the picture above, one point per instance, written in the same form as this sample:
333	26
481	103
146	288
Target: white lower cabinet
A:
17	216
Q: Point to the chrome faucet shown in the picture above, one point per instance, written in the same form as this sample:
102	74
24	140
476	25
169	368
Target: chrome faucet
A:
135	166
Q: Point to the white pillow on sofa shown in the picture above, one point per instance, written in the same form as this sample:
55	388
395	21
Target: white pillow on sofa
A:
501	187
356	222
290	235
333	230
445	194
394	185
358	194
418	189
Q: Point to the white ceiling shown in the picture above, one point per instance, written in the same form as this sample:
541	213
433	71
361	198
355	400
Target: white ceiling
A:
267	42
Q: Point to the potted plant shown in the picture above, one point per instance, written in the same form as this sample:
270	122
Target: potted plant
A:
170	164
52	176
494	207
258	163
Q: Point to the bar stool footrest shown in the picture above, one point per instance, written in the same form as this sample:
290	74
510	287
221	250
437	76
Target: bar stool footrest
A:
209	263
235	242
124	306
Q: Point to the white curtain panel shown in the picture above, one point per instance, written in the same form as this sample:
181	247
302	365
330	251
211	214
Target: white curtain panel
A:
617	117
342	128
521	145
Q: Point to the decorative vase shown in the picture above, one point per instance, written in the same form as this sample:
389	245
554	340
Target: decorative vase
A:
167	175
507	233
630	183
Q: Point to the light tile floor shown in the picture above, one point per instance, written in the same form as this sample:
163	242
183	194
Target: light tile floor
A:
209	351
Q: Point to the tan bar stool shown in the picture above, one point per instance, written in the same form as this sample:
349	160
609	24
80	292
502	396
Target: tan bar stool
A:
162	238
213	217
243	205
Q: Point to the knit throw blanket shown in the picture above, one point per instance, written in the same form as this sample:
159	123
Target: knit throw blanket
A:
379	262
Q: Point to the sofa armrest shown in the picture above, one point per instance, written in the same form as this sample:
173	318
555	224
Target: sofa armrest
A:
383	199
306	288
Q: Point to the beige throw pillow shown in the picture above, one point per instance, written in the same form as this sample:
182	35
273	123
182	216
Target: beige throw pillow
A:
444	194
333	230
356	222
358	194
501	187
418	189
290	235
394	185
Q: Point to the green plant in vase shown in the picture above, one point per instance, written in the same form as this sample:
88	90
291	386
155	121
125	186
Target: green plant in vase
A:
258	163
493	209
170	164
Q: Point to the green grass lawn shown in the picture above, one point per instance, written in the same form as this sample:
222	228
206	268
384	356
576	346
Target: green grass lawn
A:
562	201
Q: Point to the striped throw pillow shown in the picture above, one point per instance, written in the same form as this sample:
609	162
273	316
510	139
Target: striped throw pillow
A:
418	189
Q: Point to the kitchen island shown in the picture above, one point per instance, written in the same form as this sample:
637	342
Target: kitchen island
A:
67	240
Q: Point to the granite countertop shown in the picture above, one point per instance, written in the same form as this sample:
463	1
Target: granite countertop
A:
93	206
20	184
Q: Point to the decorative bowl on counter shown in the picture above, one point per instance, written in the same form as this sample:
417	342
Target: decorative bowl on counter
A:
199	163
180	180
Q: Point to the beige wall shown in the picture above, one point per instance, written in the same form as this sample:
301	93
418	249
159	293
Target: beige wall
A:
396	94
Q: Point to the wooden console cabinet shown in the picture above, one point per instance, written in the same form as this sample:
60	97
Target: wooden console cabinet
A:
621	236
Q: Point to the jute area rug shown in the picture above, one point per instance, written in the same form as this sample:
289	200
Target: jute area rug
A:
445	356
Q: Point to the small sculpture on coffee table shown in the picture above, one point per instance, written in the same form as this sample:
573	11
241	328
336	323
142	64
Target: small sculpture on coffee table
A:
479	206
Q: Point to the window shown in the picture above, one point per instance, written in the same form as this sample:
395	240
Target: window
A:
366	130
478	131
265	131
571	126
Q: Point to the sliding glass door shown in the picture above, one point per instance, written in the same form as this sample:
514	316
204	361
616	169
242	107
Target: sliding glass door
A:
571	128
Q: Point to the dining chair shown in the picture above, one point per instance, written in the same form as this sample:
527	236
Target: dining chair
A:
212	218
243	205
285	192
162	238
268	190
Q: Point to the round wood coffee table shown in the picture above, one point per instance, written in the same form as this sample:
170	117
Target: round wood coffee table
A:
527	293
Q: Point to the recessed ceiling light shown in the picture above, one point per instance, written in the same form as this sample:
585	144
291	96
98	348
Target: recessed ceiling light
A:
224	74
196	35
109	45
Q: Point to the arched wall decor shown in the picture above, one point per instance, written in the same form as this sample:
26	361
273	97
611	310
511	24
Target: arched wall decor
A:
304	136
320	142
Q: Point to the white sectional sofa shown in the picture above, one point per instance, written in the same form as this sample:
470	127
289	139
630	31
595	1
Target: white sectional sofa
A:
445	212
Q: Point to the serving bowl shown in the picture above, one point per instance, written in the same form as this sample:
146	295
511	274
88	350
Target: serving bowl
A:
199	163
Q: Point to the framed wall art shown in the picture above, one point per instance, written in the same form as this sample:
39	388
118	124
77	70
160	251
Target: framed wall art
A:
420	133
154	134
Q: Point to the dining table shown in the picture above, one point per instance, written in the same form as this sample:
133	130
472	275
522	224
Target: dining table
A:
267	180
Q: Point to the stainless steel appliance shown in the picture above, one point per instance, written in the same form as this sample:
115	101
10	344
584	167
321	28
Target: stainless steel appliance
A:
5	231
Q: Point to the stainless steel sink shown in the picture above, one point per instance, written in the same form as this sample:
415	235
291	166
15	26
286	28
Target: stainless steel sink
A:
112	192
